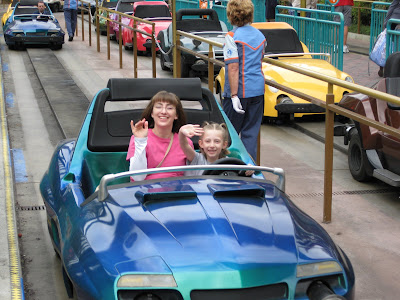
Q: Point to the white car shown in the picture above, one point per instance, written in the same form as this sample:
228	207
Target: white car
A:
55	5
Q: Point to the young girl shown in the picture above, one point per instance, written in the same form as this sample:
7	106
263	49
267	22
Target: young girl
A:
213	142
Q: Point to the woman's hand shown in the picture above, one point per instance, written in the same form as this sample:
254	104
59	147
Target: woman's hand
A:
140	129
190	130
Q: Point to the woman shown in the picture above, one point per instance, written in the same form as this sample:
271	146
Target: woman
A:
244	82
158	146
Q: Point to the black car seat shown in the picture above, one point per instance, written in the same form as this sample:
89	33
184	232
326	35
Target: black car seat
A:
392	77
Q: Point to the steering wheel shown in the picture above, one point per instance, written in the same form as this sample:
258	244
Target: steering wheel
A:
227	161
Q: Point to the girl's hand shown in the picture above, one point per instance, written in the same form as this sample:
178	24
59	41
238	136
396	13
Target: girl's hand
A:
190	130
140	129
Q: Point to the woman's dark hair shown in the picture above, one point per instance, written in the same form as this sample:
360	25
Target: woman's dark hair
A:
171	98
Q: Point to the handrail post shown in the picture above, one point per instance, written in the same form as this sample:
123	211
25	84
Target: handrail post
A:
177	58
329	122
97	26
108	36
83	23
120	41
90	26
210	69
153	49
174	41
135	50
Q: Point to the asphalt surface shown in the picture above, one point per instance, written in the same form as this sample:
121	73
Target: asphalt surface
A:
364	215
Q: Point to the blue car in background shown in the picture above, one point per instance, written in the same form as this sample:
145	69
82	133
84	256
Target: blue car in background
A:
26	27
215	236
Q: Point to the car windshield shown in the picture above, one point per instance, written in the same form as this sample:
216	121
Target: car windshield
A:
152	11
282	41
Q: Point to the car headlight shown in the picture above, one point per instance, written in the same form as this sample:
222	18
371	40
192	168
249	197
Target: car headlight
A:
349	79
320	268
146	280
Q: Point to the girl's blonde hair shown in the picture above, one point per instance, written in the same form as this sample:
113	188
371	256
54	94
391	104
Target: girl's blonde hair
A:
225	135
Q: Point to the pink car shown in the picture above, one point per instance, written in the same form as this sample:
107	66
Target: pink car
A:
155	11
124	6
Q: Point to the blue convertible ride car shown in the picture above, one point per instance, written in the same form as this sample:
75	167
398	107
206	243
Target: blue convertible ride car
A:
27	27
215	236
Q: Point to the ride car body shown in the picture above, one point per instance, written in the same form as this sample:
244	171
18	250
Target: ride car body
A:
194	22
26	27
154	11
190	237
103	13
9	11
372	152
123	6
284	44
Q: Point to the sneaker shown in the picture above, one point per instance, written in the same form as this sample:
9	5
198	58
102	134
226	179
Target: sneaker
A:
70	38
345	49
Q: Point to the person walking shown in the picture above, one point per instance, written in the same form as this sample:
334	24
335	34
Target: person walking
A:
392	13
71	14
244	79
270	6
344	6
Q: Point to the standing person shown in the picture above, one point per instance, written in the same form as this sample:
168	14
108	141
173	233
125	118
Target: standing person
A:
244	79
71	14
392	13
270	10
345	6
158	146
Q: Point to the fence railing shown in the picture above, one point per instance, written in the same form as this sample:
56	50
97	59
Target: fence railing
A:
378	15
392	37
319	32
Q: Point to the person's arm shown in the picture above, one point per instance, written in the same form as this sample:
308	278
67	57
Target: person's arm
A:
392	7
185	132
139	161
233	76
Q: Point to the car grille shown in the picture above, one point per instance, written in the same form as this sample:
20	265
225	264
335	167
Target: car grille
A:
36	33
267	292
149	294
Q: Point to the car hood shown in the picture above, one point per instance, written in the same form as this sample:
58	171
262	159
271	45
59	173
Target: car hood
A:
303	83
159	25
33	25
203	47
198	225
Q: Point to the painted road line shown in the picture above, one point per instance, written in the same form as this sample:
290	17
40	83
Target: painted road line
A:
15	266
20	173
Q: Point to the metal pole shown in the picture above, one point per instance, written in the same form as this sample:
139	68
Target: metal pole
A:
83	24
174	41
108	36
210	69
258	160
329	122
97	26
90	26
177	58
153	50
120	41
135	50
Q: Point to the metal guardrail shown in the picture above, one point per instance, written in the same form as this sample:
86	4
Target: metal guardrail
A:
121	25
106	179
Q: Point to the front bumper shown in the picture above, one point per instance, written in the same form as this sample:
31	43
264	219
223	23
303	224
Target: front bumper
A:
293	108
23	39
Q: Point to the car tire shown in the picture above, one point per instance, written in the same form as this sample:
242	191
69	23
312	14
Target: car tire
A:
56	47
360	167
11	47
162	63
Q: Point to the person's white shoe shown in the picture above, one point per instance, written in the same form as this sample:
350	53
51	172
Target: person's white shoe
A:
345	49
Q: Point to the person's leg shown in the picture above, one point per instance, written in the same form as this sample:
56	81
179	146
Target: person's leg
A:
67	16
74	17
235	118
251	126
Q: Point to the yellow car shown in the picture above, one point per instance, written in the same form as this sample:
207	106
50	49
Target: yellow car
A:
9	11
282	40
